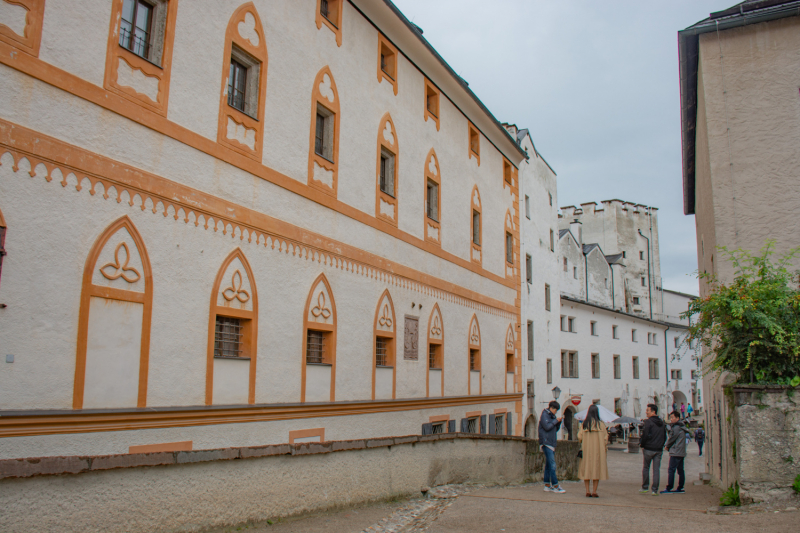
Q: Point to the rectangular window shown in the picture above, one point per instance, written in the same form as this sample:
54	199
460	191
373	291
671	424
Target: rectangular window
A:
382	351
432	201
694	374
498	424
237	85
243	82
530	340
323	133
472	425
593	328
476	228
677	342
546	297
575	272
644	282
563	323
510	363
551	198
569	364
635	300
227	337
437	428
633	335
595	366
549	371
571	325
509	248
388	61
623	254
527	207
474	140
635	368
528	269
432	101
434	356
617	370
473	360
387	172
552	241
641	255
614	333
676	374
135	27
653	368
507	172
617	406
566	268
315	347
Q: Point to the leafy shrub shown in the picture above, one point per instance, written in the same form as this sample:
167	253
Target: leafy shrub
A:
731	496
796	484
751	327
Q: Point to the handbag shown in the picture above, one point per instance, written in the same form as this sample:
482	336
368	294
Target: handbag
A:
580	454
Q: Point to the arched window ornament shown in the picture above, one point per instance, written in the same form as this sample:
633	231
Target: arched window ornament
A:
476	227
433	199
475	383
319	344
244	84
384	364
232	334
386	182
22	25
510	359
435	378
113	346
323	154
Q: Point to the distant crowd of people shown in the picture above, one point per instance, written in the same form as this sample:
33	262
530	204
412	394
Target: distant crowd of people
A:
656	438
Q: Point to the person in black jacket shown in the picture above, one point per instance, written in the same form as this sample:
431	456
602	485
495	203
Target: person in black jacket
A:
549	425
654	435
700	438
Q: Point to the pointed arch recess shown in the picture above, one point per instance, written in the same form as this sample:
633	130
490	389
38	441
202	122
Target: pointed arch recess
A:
476	250
385	325
89	289
229	116
250	333
386	206
328	328
509	228
510	359
433	225
474	343
436	339
314	159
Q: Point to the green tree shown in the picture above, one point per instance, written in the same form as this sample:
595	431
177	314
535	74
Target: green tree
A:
751	327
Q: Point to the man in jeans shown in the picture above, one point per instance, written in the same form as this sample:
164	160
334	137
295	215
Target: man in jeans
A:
676	444
654	434
548	437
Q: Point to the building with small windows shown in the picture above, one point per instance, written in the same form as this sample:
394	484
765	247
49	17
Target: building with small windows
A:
306	229
685	379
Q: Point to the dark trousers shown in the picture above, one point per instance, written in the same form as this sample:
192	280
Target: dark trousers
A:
700	445
675	463
550	467
648	458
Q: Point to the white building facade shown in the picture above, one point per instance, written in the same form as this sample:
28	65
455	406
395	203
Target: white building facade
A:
310	234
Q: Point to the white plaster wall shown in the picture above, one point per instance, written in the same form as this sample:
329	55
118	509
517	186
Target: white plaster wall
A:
573	281
231	381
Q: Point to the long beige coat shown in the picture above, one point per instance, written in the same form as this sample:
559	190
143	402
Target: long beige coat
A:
594	444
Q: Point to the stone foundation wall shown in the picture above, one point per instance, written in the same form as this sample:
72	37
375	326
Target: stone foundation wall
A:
195	490
566	460
766	447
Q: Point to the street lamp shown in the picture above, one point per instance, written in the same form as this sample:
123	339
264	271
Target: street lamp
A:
556	392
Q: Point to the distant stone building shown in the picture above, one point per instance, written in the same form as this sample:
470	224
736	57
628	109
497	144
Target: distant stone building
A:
740	128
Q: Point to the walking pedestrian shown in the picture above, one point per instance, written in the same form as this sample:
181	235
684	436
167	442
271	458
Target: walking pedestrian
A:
676	444
683	410
674	406
594	446
654	434
689	410
548	438
700	438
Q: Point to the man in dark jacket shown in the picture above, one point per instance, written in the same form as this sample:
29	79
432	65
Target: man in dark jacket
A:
654	434
676	444
548	437
700	438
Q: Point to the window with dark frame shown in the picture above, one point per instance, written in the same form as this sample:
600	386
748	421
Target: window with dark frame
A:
437	428
319	135
566	268
2	247
552	241
571	325
227	337
633	335
575	272
388	62
530	340
434	359
432	101
472	425
474	141
527	207
551	198
432	201
315	347
569	364
135	27
237	85
382	351
635	368
510	363
528	268
593	328
507	172
387	173
617	369
653	368
614	334
509	248
595	366
644	282
549	371
499	428
476	228
546	297
641	255
474	360
323	132
635	300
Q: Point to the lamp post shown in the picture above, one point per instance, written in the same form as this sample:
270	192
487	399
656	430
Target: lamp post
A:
556	392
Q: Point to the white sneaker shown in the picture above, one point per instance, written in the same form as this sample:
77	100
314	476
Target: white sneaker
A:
548	488
558	489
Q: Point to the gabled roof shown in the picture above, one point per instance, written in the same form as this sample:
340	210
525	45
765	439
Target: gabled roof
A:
615	259
742	14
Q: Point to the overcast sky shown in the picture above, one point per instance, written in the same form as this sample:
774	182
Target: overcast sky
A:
596	82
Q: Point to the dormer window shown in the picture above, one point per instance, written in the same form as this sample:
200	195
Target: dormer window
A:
387	62
431	103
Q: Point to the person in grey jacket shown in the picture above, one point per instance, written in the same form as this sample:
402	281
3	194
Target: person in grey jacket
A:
676	445
548	438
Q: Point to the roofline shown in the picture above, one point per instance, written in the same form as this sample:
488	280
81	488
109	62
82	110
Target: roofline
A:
688	57
616	311
692	296
411	27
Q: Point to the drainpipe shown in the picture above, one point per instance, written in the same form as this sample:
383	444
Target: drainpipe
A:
649	287
613	299
666	356
586	274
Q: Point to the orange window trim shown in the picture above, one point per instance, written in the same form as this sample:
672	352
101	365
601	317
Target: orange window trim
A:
305	433
394	148
511	349
317	99
228	114
474	343
335	25
430	224
89	289
186	203
329	329
250	339
474	151
136	113
431	89
71	422
384	42
500	411
510	229
473	414
476	252
435	337
439	418
183	446
116	53
32	38
385	316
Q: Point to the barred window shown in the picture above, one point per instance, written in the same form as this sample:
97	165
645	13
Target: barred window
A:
473	360
434	361
472	425
381	351
136	27
498	424
315	347
437	428
227	337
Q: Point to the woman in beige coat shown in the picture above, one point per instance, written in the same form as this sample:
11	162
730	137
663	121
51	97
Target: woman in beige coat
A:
593	437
